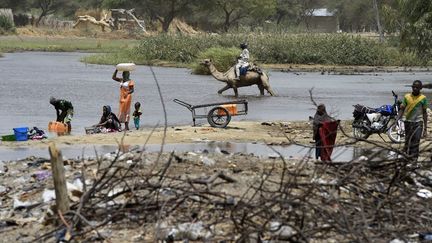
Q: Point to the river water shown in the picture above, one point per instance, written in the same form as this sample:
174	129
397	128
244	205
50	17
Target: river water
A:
30	78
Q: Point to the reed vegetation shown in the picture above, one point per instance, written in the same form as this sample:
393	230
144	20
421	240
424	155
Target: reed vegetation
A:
269	48
184	50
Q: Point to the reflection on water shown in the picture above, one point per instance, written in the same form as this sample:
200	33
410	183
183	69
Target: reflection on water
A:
373	154
340	154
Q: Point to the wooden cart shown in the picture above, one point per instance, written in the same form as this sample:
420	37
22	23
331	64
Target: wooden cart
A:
217	114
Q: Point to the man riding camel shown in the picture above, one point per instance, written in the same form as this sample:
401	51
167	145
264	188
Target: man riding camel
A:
243	60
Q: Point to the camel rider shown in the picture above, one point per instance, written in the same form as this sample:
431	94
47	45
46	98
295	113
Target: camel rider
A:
243	60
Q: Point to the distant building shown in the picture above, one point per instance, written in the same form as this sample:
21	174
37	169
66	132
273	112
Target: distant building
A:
321	20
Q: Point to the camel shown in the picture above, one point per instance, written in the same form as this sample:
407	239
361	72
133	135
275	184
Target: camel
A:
251	78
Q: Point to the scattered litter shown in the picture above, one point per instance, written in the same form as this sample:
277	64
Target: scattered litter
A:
185	231
207	161
3	190
48	195
424	193
17	204
192	153
425	236
42	175
281	232
397	241
361	158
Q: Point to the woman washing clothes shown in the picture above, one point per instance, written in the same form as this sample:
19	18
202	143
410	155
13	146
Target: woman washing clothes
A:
126	90
109	121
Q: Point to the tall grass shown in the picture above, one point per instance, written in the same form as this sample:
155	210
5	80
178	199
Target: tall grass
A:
223	58
333	49
270	48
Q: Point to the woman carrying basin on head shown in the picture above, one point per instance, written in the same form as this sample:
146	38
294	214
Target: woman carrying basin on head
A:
126	90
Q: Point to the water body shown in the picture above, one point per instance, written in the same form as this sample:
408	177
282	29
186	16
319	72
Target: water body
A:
30	78
341	154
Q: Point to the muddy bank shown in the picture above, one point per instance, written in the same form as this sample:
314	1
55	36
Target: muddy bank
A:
240	132
344	70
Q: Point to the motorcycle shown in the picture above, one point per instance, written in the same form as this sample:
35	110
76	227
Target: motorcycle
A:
368	121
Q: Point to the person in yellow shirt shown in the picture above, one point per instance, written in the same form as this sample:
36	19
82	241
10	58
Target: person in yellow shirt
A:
413	113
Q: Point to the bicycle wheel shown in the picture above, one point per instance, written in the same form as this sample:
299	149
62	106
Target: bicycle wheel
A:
218	117
396	132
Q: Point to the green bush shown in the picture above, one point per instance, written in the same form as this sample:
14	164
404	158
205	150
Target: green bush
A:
272	48
6	25
222	58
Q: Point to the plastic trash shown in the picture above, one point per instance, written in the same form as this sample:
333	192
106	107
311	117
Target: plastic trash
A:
48	195
42	175
424	193
426	236
207	161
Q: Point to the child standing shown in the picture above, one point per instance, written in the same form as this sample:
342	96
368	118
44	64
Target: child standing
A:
136	115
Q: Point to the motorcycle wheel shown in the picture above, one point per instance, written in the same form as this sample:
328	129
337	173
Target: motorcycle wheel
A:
396	132
359	132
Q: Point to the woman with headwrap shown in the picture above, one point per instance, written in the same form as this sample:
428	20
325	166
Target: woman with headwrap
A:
109	120
126	90
324	133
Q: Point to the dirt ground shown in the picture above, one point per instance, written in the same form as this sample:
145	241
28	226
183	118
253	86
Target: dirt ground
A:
240	132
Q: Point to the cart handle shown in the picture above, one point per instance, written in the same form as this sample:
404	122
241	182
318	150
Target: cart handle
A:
180	102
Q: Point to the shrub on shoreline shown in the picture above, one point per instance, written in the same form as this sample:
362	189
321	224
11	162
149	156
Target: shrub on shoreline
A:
223	58
326	49
6	25
268	48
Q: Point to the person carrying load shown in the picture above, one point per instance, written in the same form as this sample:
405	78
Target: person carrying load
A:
64	111
126	90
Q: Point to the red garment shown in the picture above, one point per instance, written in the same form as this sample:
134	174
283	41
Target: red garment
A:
328	132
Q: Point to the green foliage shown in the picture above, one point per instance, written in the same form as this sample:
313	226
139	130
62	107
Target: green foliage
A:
330	49
412	21
182	49
222	58
353	15
231	12
6	25
416	33
115	3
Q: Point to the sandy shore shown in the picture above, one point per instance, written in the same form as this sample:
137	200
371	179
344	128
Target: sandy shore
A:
276	133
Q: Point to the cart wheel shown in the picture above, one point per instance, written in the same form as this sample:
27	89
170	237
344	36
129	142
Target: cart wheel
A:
218	117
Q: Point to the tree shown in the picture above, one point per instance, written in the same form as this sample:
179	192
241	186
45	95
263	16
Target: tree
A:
416	31
306	9
90	3
166	10
232	11
290	9
354	15
378	21
48	7
15	5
